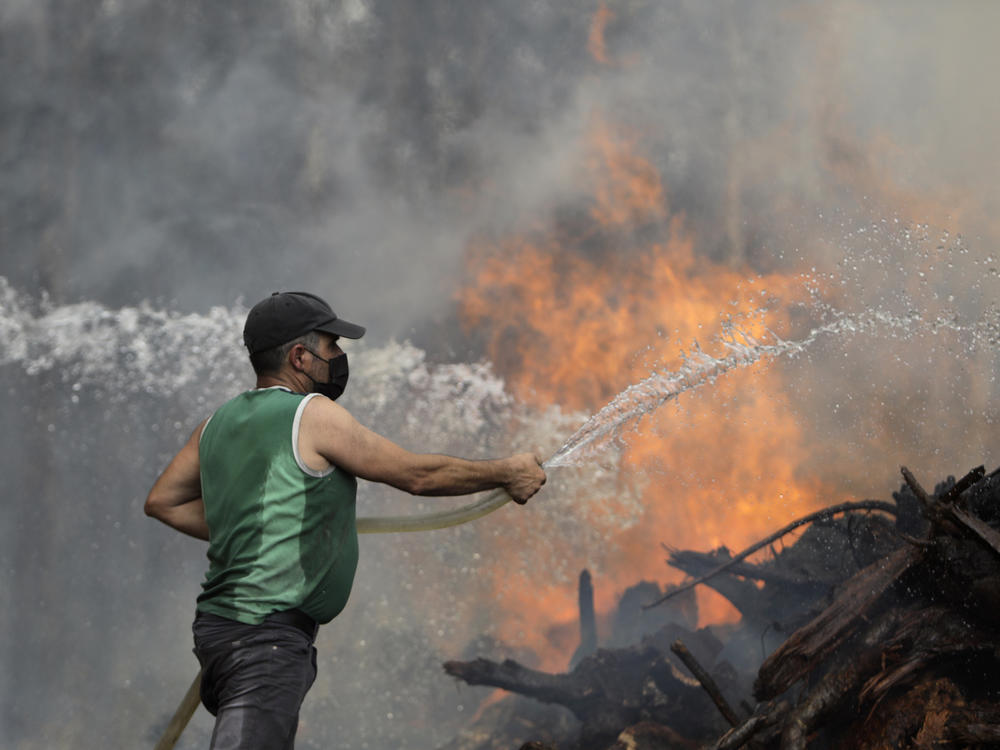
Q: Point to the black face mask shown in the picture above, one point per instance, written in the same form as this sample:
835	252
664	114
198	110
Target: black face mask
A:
337	380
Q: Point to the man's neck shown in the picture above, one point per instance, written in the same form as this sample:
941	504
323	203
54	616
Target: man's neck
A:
296	383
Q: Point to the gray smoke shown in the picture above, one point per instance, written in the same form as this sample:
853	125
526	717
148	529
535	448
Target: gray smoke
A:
186	155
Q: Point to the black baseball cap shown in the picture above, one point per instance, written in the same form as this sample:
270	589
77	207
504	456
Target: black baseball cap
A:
287	315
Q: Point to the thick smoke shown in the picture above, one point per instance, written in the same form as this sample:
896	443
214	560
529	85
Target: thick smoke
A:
252	146
192	157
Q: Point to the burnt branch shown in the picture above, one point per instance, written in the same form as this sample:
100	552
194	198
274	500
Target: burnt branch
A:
949	507
706	681
925	499
608	691
765	717
833	510
955	493
979	528
510	675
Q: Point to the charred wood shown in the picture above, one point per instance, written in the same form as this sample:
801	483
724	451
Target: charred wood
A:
634	620
834	690
983	531
934	612
741	735
742	594
607	691
895	638
588	620
763	721
975	723
697	563
950	507
923	638
706	681
918	718
812	517
809	645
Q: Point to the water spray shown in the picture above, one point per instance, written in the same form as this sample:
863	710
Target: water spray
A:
605	426
135	352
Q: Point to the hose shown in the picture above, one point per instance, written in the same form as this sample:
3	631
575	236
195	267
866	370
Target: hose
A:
441	519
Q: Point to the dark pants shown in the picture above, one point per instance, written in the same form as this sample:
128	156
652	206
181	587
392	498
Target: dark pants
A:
254	678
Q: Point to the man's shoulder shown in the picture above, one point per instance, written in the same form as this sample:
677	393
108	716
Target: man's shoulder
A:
322	410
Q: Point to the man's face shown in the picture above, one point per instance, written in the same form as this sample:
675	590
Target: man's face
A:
329	346
319	370
329	367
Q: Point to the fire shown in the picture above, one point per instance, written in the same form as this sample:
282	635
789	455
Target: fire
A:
597	44
571	325
595	41
628	191
573	328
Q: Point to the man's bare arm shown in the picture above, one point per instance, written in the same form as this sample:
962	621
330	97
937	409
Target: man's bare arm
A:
176	495
330	434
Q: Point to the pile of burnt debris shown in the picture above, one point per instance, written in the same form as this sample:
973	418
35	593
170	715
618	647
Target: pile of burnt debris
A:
878	628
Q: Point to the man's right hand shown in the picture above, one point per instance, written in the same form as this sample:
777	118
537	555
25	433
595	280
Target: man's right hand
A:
527	478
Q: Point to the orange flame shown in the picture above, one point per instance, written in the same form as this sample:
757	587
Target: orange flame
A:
628	191
595	40
572	328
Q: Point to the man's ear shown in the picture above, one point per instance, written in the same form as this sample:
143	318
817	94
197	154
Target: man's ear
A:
295	355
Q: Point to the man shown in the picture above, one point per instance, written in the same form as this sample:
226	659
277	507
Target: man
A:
269	481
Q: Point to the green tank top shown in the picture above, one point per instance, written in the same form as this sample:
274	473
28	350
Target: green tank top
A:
282	536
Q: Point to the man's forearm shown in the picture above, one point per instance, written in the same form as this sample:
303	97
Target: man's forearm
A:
520	475
445	475
188	518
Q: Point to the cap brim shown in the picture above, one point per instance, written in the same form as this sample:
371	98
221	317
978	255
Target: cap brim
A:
339	327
